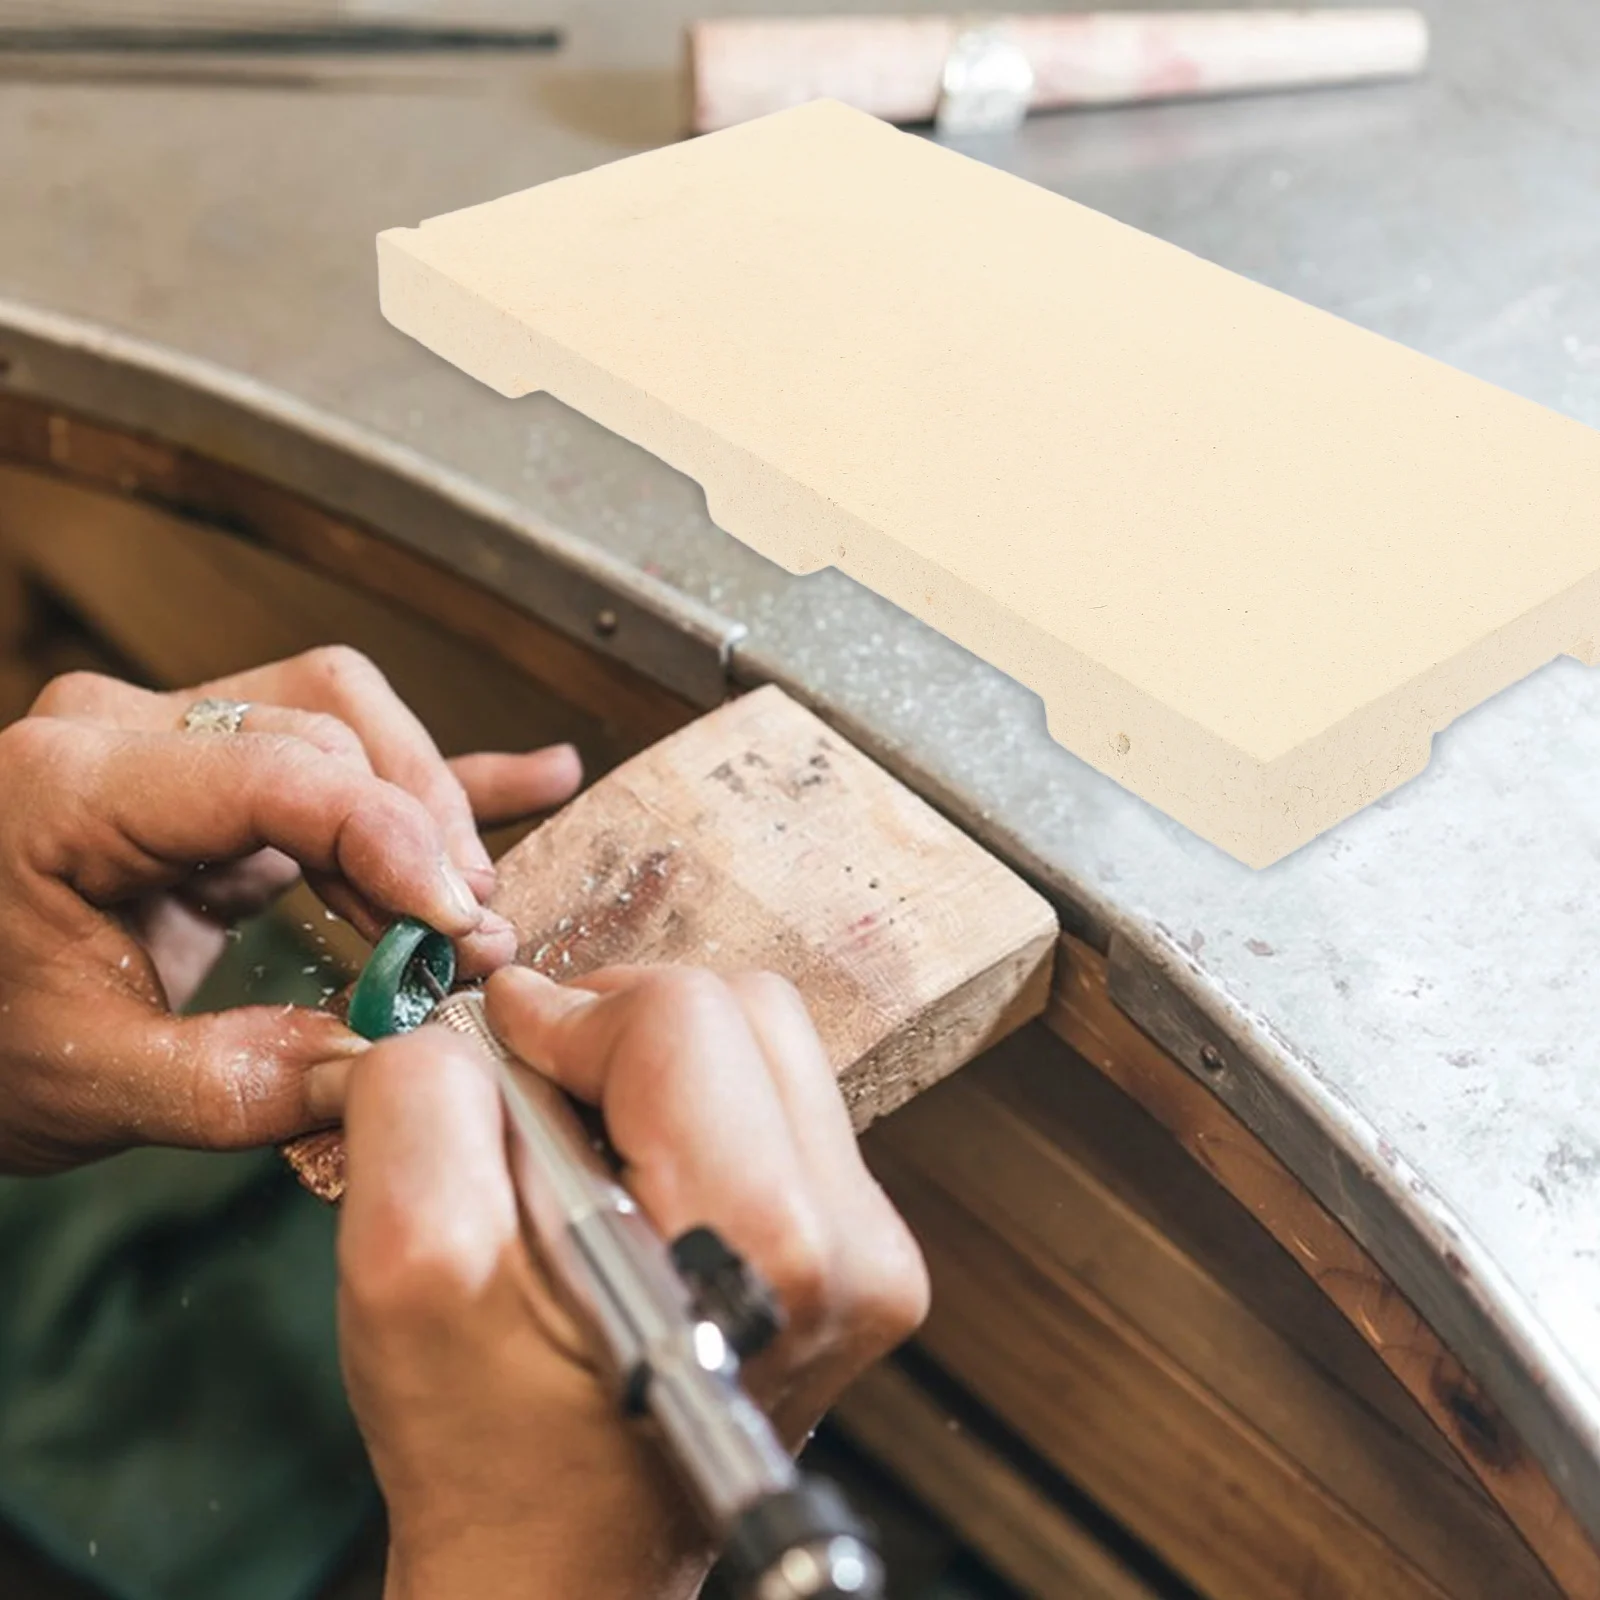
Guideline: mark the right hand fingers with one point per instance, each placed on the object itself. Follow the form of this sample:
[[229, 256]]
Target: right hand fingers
[[719, 1098], [879, 1274], [498, 1451], [425, 1151]]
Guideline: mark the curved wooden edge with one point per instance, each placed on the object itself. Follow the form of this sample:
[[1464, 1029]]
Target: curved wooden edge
[[1083, 1013], [197, 488]]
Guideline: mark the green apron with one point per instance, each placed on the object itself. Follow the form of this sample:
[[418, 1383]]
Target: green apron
[[172, 1421]]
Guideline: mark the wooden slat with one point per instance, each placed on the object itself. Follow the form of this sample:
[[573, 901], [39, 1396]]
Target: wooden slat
[[757, 838], [1016, 1179], [1112, 1411], [1088, 1119], [1017, 1528], [1083, 1013]]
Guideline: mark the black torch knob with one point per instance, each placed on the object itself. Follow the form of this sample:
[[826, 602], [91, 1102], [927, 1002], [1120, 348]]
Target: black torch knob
[[728, 1292]]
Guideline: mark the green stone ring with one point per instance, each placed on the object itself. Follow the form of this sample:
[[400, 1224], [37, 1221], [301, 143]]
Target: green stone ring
[[408, 973]]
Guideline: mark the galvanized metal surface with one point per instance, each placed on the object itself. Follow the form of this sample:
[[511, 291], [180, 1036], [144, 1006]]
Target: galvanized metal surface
[[1419, 987]]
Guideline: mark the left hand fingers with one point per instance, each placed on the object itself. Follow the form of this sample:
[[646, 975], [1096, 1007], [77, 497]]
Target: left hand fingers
[[229, 891], [336, 699], [342, 683], [503, 789], [234, 889]]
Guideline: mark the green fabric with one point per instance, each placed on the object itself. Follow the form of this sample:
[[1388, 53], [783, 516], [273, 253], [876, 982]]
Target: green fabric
[[172, 1422]]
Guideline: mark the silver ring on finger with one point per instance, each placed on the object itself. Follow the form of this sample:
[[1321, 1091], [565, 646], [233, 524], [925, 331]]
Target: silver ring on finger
[[212, 715]]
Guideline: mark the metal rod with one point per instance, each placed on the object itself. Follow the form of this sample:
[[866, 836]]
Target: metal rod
[[331, 38]]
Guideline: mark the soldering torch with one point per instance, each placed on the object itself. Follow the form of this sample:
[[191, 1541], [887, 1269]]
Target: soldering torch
[[669, 1324]]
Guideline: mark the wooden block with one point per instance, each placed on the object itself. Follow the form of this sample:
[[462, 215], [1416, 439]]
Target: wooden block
[[1251, 557], [756, 838], [892, 66]]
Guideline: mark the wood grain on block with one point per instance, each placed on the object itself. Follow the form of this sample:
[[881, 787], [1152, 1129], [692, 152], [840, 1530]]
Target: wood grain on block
[[746, 67], [1251, 557], [757, 839]]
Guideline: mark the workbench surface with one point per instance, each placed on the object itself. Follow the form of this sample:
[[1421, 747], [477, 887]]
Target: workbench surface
[[1416, 990]]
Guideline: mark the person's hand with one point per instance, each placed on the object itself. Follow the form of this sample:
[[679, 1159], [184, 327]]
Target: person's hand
[[128, 846], [505, 1465]]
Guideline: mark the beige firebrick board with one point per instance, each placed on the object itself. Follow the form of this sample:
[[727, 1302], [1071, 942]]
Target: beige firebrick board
[[1250, 557]]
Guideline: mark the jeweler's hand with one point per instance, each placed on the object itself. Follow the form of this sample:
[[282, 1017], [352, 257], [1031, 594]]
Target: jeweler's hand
[[505, 1464], [128, 846]]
